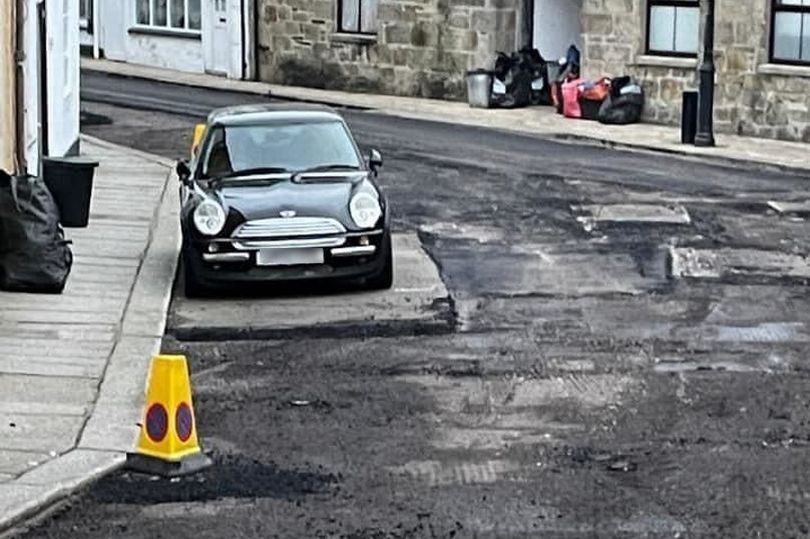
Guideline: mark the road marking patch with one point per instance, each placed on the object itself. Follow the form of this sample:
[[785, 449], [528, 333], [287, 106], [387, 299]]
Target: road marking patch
[[590, 216], [789, 206], [719, 263]]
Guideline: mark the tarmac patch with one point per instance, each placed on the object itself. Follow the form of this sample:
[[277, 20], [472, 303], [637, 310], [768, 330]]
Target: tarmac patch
[[727, 263], [418, 303], [790, 207], [591, 216]]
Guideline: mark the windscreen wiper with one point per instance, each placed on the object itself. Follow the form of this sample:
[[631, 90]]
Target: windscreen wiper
[[248, 172]]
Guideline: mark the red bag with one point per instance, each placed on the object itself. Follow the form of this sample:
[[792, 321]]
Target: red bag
[[599, 91], [570, 94]]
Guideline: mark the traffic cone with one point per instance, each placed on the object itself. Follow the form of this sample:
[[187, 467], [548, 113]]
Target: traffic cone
[[168, 444]]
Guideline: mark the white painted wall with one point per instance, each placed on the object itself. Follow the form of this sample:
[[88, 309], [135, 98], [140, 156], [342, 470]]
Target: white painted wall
[[235, 30], [180, 54], [63, 75], [31, 86], [121, 41], [113, 21], [240, 29], [557, 26]]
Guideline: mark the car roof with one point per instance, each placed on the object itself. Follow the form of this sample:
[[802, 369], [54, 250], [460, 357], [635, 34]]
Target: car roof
[[272, 113]]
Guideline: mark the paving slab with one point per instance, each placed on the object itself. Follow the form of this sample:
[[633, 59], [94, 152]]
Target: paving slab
[[45, 433], [417, 301], [46, 367], [71, 468], [71, 375], [14, 463], [20, 500], [47, 389]]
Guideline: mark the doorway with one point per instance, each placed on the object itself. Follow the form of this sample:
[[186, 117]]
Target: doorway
[[556, 26], [216, 37], [42, 85]]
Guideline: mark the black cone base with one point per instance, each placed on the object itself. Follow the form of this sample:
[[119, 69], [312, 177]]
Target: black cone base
[[155, 466]]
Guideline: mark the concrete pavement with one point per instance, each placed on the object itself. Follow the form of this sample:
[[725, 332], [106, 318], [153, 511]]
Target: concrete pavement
[[540, 121], [73, 366]]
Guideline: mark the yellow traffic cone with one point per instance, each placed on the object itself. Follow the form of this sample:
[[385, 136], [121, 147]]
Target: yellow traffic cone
[[168, 442]]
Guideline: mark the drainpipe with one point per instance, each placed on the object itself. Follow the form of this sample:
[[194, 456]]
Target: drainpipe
[[7, 88], [21, 166], [255, 35], [525, 23]]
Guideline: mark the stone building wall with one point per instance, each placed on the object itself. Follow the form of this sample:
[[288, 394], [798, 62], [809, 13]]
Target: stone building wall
[[422, 47], [752, 97]]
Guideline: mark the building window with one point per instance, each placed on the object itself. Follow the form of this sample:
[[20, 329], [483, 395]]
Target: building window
[[86, 15], [673, 27], [358, 16], [790, 31], [169, 14]]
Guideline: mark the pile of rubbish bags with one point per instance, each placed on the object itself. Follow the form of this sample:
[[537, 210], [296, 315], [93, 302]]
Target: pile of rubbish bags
[[34, 255], [610, 101], [525, 78]]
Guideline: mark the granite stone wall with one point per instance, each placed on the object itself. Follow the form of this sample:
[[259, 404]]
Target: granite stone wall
[[422, 47], [752, 97]]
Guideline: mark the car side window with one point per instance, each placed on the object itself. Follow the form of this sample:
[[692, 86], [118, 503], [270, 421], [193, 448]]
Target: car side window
[[216, 159]]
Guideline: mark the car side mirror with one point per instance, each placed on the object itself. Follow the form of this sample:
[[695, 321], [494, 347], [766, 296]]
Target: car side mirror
[[183, 171], [375, 160]]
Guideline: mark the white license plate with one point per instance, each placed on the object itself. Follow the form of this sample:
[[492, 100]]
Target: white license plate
[[289, 257]]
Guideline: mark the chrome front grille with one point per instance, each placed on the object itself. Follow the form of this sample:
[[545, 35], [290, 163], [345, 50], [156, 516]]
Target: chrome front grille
[[288, 227]]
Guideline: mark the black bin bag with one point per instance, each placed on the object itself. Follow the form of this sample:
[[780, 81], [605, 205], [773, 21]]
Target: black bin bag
[[34, 255], [624, 104]]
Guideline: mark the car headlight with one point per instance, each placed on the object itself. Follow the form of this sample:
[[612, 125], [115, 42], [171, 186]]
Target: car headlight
[[209, 217], [365, 210]]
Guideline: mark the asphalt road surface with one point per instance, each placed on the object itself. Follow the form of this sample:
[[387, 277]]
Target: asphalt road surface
[[625, 355]]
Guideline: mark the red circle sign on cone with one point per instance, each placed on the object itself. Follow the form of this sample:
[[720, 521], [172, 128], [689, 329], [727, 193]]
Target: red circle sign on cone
[[184, 420], [157, 422]]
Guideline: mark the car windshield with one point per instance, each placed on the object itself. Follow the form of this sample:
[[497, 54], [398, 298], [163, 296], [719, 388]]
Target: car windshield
[[256, 149]]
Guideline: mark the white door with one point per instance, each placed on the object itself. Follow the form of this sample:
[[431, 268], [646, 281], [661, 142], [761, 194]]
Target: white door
[[215, 36], [113, 24], [556, 27]]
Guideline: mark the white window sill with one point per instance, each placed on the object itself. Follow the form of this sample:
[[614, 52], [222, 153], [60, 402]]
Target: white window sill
[[784, 70], [347, 37], [166, 32], [674, 62]]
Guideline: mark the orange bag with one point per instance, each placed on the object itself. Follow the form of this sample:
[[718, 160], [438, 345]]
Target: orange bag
[[599, 91]]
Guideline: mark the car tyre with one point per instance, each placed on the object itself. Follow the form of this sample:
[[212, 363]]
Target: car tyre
[[192, 287], [385, 278]]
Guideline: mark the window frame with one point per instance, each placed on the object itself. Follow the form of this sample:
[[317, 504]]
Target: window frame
[[359, 30], [86, 22], [668, 3], [776, 7], [167, 28]]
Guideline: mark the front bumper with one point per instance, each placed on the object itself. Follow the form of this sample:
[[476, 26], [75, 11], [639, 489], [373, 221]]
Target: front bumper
[[223, 261]]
